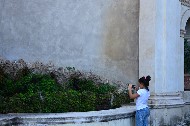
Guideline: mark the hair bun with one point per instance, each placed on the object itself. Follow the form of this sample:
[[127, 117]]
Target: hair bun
[[148, 78]]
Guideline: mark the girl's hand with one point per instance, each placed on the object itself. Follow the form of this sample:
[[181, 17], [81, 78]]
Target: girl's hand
[[132, 96], [129, 86], [137, 88]]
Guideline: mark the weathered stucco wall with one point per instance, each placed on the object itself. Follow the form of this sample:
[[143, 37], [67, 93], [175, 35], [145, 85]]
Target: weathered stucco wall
[[97, 35]]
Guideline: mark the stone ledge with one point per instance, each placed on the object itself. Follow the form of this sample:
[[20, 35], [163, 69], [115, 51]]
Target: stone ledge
[[161, 106], [187, 103], [68, 118]]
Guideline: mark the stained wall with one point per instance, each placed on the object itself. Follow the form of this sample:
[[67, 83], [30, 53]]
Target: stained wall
[[92, 35]]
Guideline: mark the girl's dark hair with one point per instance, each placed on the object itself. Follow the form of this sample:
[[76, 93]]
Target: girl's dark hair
[[145, 81]]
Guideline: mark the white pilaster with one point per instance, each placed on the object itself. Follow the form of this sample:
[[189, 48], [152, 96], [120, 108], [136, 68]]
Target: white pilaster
[[160, 50]]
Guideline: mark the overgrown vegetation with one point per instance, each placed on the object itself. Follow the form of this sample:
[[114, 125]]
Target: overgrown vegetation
[[186, 57], [29, 92]]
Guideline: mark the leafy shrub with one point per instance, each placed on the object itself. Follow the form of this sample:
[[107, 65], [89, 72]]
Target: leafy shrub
[[34, 93], [120, 99]]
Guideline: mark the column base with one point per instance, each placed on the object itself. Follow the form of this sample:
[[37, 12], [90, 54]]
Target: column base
[[166, 100], [186, 97], [168, 109]]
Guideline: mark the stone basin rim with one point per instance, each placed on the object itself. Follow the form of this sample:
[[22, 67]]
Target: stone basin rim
[[70, 117]]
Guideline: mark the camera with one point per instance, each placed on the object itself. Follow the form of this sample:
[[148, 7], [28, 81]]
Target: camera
[[133, 86]]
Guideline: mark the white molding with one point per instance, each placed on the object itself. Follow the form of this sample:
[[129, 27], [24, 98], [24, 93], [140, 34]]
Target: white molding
[[166, 100], [185, 2], [182, 33]]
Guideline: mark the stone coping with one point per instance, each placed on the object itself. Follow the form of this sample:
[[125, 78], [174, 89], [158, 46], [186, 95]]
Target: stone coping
[[68, 118]]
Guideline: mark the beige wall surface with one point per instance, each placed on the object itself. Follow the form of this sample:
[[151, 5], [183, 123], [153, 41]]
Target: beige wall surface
[[92, 35]]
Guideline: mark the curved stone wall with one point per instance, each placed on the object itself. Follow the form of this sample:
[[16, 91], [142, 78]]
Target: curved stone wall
[[123, 116]]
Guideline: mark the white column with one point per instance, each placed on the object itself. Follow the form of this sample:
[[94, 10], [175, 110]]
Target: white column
[[160, 51]]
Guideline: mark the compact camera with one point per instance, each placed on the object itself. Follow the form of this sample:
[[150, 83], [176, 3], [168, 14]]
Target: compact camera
[[133, 86]]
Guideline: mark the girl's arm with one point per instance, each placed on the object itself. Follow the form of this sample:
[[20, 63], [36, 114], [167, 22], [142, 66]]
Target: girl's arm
[[132, 96]]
